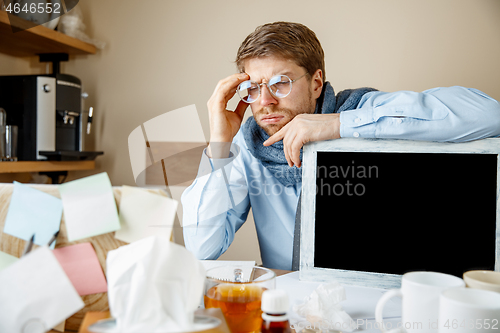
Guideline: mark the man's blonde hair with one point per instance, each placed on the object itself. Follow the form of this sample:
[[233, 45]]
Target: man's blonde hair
[[291, 41]]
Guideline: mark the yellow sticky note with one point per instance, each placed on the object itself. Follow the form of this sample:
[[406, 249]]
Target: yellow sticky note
[[144, 214]]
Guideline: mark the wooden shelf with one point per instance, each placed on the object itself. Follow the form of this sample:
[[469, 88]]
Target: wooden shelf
[[36, 40], [45, 166]]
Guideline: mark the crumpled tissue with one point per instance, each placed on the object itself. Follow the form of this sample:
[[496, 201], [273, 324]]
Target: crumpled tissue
[[154, 285], [322, 309], [71, 24]]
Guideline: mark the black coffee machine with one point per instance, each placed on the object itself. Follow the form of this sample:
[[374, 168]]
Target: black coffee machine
[[48, 112]]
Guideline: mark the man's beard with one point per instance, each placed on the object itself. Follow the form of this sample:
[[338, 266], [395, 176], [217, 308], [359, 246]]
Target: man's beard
[[271, 129]]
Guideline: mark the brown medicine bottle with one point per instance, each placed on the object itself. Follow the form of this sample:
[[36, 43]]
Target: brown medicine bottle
[[274, 312]]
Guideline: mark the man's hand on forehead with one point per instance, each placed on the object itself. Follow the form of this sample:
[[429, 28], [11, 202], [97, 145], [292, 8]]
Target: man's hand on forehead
[[302, 129]]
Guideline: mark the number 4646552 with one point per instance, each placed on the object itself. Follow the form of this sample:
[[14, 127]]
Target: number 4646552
[[488, 324], [34, 8]]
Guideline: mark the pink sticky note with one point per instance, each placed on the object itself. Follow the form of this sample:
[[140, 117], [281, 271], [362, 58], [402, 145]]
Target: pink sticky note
[[80, 263]]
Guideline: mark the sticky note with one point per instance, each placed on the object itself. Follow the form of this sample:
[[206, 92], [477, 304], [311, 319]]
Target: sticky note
[[33, 212], [82, 267], [36, 293], [144, 214], [6, 260], [89, 207]]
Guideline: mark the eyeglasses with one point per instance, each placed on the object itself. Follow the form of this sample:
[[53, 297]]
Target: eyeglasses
[[279, 85]]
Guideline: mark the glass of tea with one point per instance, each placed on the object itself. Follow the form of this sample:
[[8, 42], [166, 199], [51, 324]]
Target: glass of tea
[[237, 291]]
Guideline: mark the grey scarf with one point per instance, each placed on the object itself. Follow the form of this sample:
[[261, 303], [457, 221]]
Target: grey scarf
[[273, 157]]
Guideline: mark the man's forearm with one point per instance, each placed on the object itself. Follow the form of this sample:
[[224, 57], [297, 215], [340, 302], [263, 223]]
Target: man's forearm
[[454, 114], [207, 226], [218, 149]]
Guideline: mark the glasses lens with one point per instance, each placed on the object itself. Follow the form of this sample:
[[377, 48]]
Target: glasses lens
[[280, 85], [248, 91]]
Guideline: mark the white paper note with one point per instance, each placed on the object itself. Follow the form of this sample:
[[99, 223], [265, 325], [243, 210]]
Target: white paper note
[[144, 214], [35, 293], [89, 207]]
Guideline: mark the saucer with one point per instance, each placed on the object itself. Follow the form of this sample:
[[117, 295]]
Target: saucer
[[201, 323]]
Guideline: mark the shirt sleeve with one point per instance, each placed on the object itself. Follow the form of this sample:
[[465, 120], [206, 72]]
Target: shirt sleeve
[[454, 114], [215, 205]]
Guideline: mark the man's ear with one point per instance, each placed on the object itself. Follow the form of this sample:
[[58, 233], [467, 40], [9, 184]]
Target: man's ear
[[317, 83]]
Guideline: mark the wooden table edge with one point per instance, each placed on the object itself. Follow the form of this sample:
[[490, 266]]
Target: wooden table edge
[[45, 166]]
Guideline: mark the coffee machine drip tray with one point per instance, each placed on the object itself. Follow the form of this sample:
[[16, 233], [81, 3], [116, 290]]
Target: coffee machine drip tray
[[70, 155]]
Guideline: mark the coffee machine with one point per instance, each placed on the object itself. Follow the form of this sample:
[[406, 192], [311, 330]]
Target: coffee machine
[[48, 112]]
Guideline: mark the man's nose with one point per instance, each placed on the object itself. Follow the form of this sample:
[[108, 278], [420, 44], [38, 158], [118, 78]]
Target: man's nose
[[266, 98]]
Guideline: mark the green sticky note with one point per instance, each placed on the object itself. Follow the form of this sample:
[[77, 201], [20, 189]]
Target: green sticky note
[[89, 207], [6, 259]]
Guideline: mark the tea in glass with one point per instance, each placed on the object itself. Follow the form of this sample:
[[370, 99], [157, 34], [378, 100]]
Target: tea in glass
[[240, 300]]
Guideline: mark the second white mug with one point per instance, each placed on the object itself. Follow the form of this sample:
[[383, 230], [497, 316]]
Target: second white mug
[[420, 292], [466, 310]]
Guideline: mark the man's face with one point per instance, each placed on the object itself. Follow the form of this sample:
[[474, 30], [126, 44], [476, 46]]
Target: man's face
[[272, 113]]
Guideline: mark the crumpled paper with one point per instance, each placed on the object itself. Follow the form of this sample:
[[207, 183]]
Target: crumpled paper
[[154, 285], [322, 309], [71, 24]]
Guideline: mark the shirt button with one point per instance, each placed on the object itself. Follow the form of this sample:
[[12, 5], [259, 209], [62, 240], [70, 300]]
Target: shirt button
[[357, 120], [399, 120], [355, 134]]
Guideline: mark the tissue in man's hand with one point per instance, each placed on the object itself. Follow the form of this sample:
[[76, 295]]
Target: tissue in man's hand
[[322, 308], [154, 285]]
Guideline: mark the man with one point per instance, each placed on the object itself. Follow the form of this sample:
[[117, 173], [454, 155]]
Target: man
[[258, 164]]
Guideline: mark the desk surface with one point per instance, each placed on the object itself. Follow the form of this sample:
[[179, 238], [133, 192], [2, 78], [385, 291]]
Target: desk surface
[[104, 314], [93, 317], [45, 166]]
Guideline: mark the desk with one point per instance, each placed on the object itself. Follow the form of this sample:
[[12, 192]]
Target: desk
[[45, 166], [52, 168], [200, 311], [217, 313]]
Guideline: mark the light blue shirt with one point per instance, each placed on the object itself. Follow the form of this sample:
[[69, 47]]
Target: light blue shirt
[[217, 203]]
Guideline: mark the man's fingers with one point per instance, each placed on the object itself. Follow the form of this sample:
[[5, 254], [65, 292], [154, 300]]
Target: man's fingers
[[226, 88], [276, 136], [287, 157], [232, 81], [241, 108], [292, 143], [287, 143], [295, 151], [273, 139]]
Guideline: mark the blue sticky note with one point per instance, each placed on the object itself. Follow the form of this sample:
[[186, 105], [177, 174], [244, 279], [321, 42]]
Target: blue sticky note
[[33, 212]]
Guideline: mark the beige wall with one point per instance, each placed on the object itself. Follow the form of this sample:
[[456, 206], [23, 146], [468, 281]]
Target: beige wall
[[165, 54]]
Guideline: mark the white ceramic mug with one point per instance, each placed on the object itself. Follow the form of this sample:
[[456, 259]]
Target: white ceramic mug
[[420, 292], [466, 310]]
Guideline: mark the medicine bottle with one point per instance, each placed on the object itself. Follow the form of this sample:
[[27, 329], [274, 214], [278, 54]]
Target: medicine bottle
[[274, 312]]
